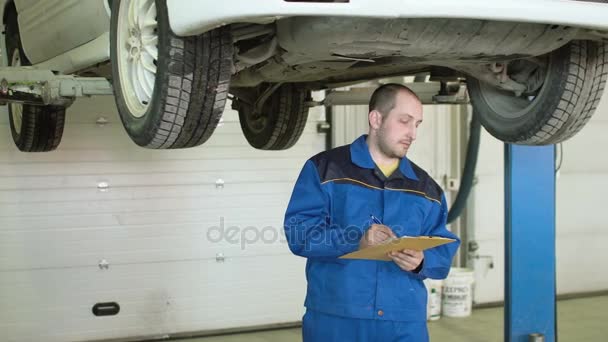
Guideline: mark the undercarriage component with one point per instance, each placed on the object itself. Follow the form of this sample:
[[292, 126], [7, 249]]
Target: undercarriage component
[[28, 85], [334, 50], [428, 92]]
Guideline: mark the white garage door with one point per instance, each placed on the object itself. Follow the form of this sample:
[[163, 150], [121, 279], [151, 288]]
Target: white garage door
[[152, 217]]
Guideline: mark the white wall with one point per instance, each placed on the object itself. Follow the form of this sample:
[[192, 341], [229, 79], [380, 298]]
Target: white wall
[[151, 225], [582, 232]]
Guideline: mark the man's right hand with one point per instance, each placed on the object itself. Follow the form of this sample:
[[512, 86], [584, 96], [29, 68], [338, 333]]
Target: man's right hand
[[375, 235]]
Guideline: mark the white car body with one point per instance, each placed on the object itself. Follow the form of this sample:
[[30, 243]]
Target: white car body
[[189, 17], [77, 38]]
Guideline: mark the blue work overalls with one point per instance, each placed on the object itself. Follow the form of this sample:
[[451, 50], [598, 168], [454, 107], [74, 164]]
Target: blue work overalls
[[363, 300]]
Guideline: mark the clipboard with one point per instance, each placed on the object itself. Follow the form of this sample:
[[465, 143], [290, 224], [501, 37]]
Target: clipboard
[[379, 252]]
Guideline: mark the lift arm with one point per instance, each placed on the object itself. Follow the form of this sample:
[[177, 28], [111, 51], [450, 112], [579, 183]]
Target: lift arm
[[28, 85]]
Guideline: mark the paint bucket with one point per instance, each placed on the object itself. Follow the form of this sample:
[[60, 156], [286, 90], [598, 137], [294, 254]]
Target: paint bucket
[[433, 306], [458, 293]]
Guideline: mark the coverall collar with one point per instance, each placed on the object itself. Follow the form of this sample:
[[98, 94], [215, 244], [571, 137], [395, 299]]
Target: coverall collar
[[360, 156]]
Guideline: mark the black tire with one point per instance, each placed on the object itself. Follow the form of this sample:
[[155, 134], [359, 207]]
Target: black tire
[[190, 89], [574, 84], [41, 127], [281, 122]]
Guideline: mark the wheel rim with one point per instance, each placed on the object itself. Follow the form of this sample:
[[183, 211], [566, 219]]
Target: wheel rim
[[137, 53], [257, 124], [15, 108], [508, 105]]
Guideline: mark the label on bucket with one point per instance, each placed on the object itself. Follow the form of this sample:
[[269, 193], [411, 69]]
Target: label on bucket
[[457, 300]]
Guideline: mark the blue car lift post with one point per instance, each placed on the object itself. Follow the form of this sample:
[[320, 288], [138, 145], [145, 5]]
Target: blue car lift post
[[530, 313]]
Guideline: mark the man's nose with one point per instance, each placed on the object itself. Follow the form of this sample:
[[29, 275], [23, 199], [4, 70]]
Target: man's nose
[[413, 133]]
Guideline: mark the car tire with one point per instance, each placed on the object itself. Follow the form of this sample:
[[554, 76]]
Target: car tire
[[281, 121], [573, 85], [170, 91], [33, 128]]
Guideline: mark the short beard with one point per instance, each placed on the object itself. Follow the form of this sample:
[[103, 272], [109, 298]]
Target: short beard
[[385, 148]]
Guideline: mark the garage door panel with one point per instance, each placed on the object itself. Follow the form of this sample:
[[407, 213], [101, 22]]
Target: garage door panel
[[88, 110], [134, 153], [220, 233], [18, 234], [139, 193], [118, 219], [225, 130], [132, 277], [151, 179], [146, 205], [203, 218], [124, 246], [177, 166], [171, 297], [127, 284], [81, 121], [70, 255], [90, 137]]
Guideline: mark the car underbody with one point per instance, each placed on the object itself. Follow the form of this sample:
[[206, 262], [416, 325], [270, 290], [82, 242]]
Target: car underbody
[[329, 52]]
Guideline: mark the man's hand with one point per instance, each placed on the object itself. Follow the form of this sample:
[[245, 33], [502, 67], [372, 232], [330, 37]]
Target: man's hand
[[375, 235], [407, 259]]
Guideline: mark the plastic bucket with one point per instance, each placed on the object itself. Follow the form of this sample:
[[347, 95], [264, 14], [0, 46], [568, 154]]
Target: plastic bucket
[[458, 293], [433, 306]]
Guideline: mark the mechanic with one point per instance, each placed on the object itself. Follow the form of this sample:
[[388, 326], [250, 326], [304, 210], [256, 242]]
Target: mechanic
[[336, 207]]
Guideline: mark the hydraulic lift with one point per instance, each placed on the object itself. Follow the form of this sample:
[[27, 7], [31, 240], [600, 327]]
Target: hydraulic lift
[[530, 313], [29, 85]]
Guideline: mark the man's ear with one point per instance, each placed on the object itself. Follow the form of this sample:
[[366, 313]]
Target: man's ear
[[375, 119]]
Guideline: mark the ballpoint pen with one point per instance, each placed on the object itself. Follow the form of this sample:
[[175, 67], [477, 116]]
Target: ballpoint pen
[[375, 219]]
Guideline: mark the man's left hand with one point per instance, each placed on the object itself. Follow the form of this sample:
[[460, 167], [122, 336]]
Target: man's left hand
[[407, 259]]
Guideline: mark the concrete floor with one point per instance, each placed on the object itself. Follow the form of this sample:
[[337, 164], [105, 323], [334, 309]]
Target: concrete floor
[[584, 319]]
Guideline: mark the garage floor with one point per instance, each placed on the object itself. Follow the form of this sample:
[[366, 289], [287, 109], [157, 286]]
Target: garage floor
[[582, 319]]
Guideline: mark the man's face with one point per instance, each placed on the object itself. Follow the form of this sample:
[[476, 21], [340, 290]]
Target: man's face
[[399, 127]]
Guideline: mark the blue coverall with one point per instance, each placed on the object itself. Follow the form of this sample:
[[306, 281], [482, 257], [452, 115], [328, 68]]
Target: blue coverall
[[328, 214]]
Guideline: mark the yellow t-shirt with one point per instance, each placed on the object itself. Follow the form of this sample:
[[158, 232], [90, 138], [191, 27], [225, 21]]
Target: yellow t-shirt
[[388, 170]]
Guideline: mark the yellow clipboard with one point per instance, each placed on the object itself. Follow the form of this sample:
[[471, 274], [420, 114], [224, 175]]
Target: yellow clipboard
[[379, 252]]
